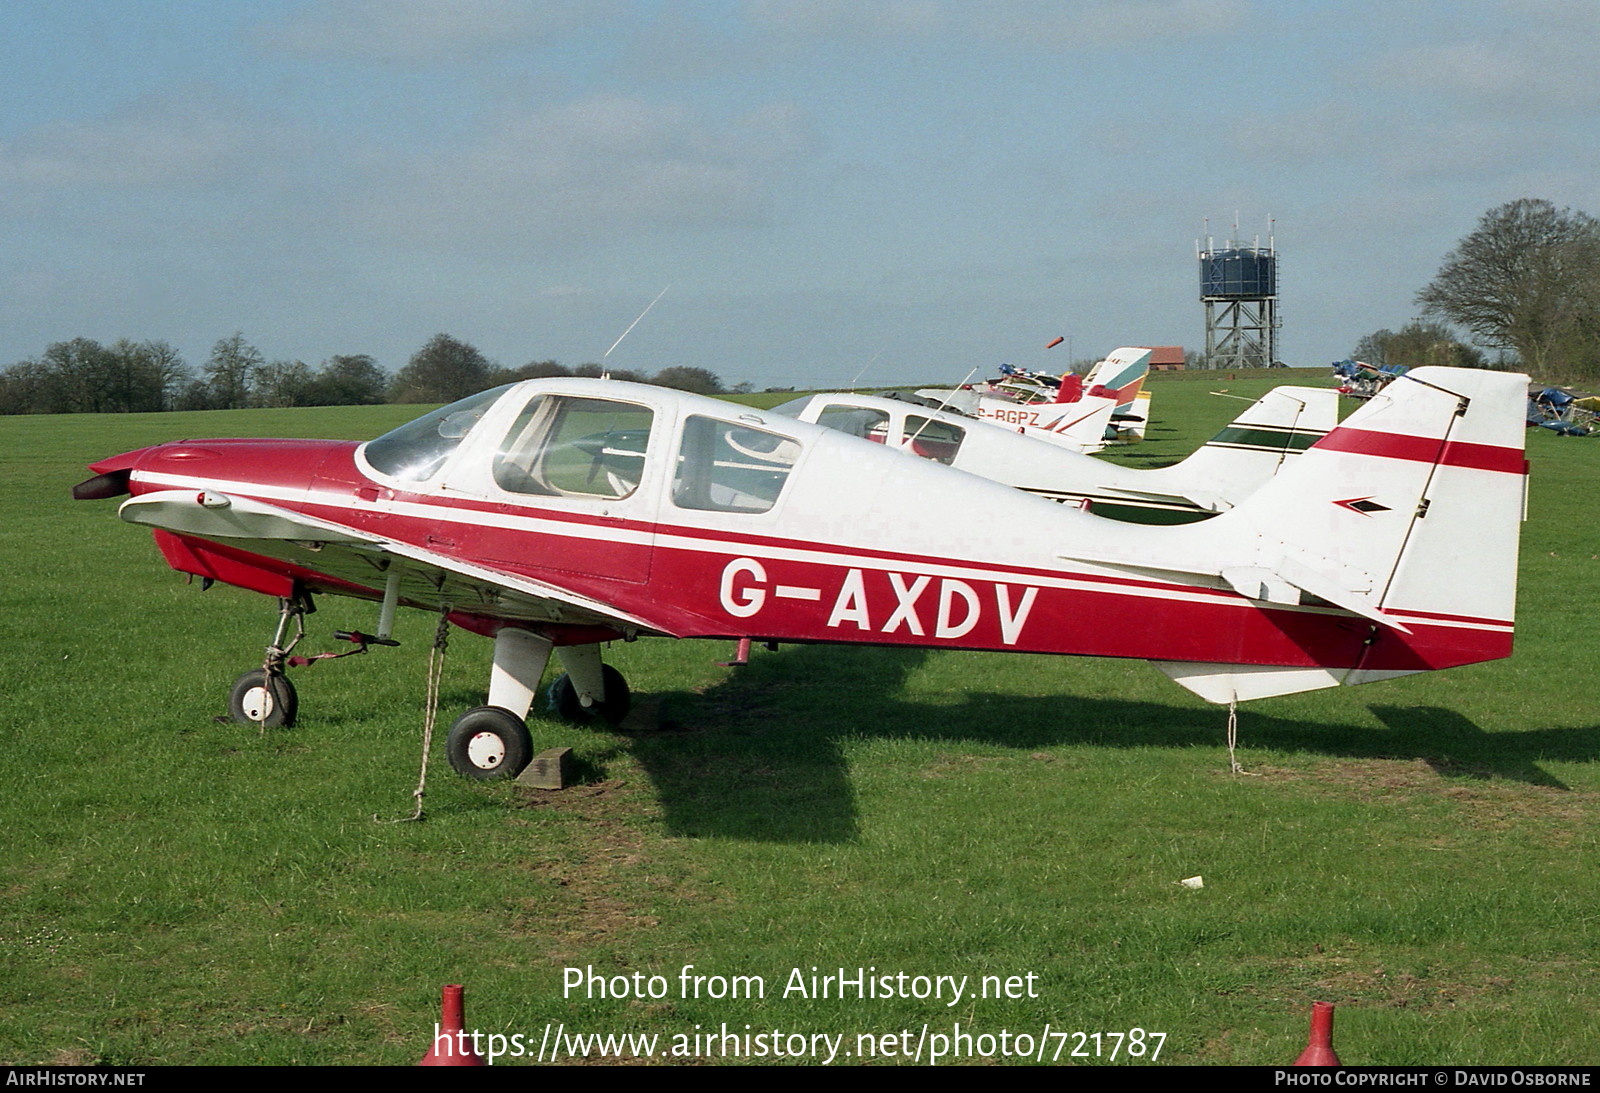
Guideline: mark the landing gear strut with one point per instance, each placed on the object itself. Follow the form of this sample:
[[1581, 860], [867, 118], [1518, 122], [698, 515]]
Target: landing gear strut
[[589, 690], [609, 702], [264, 696], [492, 741]]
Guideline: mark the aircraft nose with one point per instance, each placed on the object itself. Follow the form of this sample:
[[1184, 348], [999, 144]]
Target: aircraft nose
[[111, 479]]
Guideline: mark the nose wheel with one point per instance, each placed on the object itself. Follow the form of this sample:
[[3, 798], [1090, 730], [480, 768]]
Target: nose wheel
[[263, 698]]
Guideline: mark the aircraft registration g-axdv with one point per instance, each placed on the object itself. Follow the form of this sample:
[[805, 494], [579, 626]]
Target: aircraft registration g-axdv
[[562, 514]]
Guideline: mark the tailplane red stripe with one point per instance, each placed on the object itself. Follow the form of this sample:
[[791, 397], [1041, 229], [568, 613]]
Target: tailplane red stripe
[[1422, 449]]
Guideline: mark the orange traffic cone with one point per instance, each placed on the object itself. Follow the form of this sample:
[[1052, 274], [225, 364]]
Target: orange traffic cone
[[1319, 1048], [451, 1045]]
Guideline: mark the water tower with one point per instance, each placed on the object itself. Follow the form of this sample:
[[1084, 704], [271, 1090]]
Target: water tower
[[1239, 286]]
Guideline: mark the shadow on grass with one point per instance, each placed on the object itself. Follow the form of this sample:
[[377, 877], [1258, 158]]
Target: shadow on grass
[[761, 755]]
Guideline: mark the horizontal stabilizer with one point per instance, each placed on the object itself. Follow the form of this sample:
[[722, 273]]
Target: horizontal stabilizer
[[1282, 579], [1222, 683]]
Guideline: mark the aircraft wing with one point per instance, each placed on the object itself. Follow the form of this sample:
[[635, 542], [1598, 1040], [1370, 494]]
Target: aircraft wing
[[429, 578]]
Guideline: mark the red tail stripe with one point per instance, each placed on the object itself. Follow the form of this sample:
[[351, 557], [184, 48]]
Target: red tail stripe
[[1472, 620], [1422, 449]]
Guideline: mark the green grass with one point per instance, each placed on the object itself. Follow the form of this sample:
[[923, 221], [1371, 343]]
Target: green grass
[[173, 890]]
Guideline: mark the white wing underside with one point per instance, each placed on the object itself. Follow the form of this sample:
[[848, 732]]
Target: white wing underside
[[428, 579]]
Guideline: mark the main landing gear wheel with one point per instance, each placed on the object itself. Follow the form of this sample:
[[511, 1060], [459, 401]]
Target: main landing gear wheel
[[489, 742], [617, 703], [263, 698]]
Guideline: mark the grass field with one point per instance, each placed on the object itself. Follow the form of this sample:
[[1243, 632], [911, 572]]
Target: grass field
[[173, 890]]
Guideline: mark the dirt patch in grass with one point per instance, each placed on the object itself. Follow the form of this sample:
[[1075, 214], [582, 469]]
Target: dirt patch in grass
[[1376, 985], [958, 763], [612, 871]]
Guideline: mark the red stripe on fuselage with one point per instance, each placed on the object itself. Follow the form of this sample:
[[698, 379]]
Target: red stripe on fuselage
[[736, 542]]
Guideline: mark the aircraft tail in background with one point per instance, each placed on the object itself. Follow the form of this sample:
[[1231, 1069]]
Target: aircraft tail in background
[[1120, 376], [1254, 446]]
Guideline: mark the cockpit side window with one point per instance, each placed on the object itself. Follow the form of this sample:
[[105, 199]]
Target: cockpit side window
[[561, 446], [418, 449], [935, 440], [724, 467], [857, 421]]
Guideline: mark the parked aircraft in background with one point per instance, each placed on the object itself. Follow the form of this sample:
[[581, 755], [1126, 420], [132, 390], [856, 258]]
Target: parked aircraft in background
[[557, 515], [1231, 466], [1073, 412]]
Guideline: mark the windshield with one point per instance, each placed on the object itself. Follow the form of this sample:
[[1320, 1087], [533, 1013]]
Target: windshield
[[416, 450], [794, 407]]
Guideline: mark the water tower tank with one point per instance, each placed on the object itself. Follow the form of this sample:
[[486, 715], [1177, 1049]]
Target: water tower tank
[[1238, 273]]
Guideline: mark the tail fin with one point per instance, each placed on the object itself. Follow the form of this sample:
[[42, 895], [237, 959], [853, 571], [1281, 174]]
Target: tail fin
[[1080, 426], [1131, 422], [1407, 515], [1120, 376], [1254, 446]]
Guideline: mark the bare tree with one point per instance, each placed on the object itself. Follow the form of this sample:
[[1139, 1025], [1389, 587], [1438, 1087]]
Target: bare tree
[[83, 376], [27, 387], [147, 375], [165, 367], [282, 383], [231, 371], [1528, 280], [1418, 343]]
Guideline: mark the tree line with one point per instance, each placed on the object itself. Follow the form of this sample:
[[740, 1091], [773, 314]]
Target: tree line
[[85, 376], [1525, 283], [446, 369]]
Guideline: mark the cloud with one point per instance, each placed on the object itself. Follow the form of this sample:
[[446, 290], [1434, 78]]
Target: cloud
[[1046, 23], [850, 19], [426, 31], [1104, 22], [596, 168], [1541, 59], [1329, 132], [185, 140]]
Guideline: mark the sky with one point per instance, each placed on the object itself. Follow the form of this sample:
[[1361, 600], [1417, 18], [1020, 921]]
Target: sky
[[830, 192]]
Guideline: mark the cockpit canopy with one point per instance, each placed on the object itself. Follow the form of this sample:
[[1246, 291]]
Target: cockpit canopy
[[585, 444]]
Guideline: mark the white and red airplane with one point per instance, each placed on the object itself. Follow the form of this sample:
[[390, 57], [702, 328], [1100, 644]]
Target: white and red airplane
[[1072, 412], [1228, 468], [562, 514]]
